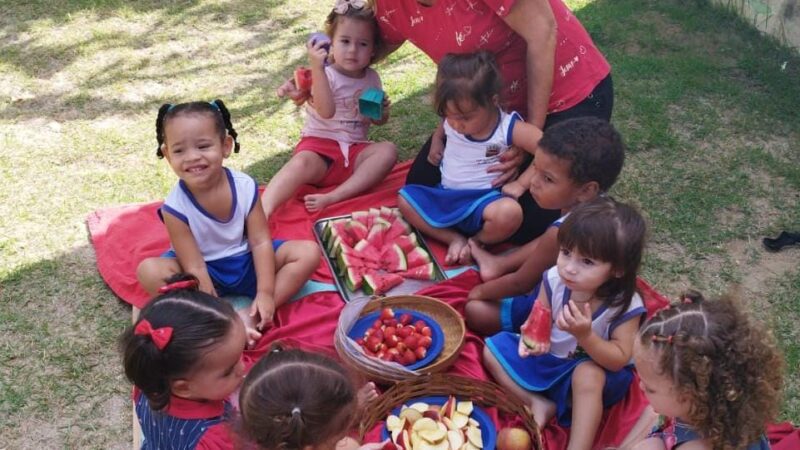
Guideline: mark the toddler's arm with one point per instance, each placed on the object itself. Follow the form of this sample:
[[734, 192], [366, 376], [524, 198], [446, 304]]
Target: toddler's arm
[[526, 136], [321, 95], [437, 145], [264, 261], [187, 252], [387, 106], [542, 255], [612, 354]]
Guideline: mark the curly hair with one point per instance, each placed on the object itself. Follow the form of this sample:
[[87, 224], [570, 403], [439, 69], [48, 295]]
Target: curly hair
[[726, 363]]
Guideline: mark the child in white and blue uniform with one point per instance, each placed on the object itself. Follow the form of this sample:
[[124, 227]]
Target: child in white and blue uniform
[[215, 222], [469, 141], [585, 366]]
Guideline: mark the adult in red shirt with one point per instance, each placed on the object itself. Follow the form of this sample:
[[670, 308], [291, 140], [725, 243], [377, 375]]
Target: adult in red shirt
[[551, 69]]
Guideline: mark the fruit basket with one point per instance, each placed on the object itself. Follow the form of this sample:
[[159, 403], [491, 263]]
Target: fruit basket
[[483, 394], [451, 336], [376, 252]]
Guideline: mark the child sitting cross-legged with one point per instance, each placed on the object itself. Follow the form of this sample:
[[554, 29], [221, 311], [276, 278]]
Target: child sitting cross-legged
[[184, 357], [215, 222], [713, 374], [576, 161], [470, 139], [574, 356]]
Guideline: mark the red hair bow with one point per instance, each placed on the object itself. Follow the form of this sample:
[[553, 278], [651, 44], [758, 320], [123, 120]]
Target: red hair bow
[[185, 284], [160, 336]]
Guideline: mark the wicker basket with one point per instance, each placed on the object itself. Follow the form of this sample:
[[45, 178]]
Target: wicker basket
[[483, 393], [448, 319]]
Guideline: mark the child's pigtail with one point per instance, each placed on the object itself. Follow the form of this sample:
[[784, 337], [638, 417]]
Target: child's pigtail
[[226, 118], [143, 361], [162, 112]]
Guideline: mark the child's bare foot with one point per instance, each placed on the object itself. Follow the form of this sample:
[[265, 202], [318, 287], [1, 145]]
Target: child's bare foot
[[366, 394], [465, 257], [487, 262], [454, 251], [316, 202]]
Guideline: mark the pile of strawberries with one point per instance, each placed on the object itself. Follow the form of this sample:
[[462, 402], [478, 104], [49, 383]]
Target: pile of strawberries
[[396, 339]]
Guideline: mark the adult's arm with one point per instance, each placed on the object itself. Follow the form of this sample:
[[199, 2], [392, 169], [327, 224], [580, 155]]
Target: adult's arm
[[533, 20]]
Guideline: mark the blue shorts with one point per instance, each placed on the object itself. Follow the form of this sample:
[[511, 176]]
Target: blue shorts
[[461, 209], [233, 275], [515, 310]]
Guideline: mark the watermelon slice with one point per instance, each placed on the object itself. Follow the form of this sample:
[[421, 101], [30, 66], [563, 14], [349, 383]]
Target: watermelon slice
[[407, 243], [340, 229], [536, 329], [387, 213], [398, 228], [377, 284], [375, 236], [393, 258], [417, 257], [424, 272], [353, 278], [363, 217], [357, 230], [349, 259], [367, 251]]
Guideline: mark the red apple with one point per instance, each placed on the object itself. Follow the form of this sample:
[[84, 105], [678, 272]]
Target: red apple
[[372, 343], [420, 352], [425, 341], [405, 331], [391, 341], [409, 357], [419, 325], [412, 342], [377, 324], [390, 322], [426, 331], [389, 331], [513, 439], [387, 313], [405, 318]]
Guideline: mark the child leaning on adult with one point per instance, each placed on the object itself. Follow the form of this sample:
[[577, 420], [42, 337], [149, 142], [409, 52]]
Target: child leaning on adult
[[550, 67]]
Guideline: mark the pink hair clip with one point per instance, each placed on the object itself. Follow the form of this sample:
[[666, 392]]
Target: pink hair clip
[[185, 284], [160, 336]]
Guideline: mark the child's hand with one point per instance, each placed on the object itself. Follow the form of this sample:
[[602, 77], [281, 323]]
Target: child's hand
[[576, 319], [436, 153], [317, 54], [263, 307], [537, 348], [387, 108], [252, 337], [514, 189], [289, 89], [508, 167]]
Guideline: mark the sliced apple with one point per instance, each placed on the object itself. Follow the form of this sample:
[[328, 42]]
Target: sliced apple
[[432, 414], [449, 424], [464, 407], [473, 422], [419, 406], [424, 445], [449, 407], [433, 436], [393, 422], [424, 424], [410, 415], [455, 438], [459, 420], [404, 440], [468, 446], [474, 436], [416, 441]]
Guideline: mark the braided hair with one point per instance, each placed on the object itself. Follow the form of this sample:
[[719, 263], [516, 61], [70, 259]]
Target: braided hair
[[198, 322], [217, 109], [292, 399], [725, 363]]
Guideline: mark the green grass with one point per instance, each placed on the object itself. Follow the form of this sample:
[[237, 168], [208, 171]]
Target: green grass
[[706, 108]]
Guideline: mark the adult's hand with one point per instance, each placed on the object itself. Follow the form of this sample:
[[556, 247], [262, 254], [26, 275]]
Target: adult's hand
[[508, 167]]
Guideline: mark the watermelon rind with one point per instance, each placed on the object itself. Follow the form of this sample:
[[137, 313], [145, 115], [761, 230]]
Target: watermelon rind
[[417, 257], [424, 272], [394, 259], [353, 279]]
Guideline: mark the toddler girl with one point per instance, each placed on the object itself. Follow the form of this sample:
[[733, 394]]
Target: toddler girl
[[334, 149], [712, 373], [184, 358], [470, 139], [293, 399], [215, 222], [589, 304]]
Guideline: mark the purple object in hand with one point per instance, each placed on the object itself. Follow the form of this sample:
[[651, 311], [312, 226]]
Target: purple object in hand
[[320, 37]]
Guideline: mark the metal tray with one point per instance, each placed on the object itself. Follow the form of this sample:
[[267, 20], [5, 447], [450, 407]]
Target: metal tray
[[408, 286]]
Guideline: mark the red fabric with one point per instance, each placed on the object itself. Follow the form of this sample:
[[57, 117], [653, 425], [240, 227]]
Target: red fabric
[[470, 25], [330, 150], [783, 436], [125, 235]]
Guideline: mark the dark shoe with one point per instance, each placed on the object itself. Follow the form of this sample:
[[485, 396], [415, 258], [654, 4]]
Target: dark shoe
[[785, 239]]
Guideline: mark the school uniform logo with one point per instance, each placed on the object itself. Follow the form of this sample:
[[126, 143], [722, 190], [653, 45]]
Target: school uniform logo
[[492, 150]]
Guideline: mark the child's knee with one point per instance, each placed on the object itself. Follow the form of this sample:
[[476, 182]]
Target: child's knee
[[506, 212], [588, 377], [480, 317]]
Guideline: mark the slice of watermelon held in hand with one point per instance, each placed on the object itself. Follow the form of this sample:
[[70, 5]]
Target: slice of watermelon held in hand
[[302, 78], [537, 327]]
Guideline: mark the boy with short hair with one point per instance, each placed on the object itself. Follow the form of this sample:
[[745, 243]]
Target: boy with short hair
[[576, 161]]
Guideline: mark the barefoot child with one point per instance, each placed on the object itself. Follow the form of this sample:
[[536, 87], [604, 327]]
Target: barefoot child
[[470, 139], [215, 223], [576, 161], [334, 149], [293, 399], [184, 358], [590, 306], [713, 374]]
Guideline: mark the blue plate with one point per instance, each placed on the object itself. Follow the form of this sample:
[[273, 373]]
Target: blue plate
[[488, 432], [437, 336]]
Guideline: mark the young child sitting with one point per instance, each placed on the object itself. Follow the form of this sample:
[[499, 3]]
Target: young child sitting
[[184, 358], [589, 303], [470, 139], [293, 399], [334, 150], [576, 161], [215, 223], [713, 374]]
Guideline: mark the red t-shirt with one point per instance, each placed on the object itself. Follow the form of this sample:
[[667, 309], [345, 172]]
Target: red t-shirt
[[463, 26]]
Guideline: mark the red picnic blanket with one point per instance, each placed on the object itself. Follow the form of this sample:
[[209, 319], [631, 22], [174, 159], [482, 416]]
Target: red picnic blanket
[[123, 236]]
